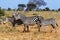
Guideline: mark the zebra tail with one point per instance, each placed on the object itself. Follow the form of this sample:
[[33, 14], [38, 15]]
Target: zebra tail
[[56, 24]]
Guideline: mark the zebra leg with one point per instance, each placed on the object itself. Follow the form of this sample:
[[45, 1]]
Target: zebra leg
[[39, 28], [13, 24], [24, 28], [53, 26], [27, 28], [38, 23], [56, 24]]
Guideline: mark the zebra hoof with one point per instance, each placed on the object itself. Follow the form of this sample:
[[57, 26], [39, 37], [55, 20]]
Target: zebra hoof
[[26, 31], [38, 30], [51, 31]]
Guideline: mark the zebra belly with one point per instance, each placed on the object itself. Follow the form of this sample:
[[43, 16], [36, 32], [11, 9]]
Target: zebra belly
[[45, 23]]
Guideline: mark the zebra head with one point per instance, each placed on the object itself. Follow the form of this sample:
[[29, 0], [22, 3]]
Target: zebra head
[[19, 16]]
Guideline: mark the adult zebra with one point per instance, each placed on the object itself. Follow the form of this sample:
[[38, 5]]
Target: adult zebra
[[13, 21], [28, 20]]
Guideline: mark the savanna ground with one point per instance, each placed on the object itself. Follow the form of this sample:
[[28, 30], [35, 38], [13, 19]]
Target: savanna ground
[[8, 33]]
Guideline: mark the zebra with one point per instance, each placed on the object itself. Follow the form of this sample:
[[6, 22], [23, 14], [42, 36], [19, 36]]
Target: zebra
[[13, 21], [28, 20], [49, 21]]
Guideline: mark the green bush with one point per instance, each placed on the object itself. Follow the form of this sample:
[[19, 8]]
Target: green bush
[[9, 9], [1, 12]]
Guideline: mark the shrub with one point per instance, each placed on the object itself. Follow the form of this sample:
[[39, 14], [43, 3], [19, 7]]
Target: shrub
[[1, 12]]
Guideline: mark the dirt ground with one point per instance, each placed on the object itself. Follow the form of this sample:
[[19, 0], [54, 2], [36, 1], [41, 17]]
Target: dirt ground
[[18, 34]]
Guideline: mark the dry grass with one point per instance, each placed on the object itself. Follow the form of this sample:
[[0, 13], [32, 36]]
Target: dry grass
[[8, 33]]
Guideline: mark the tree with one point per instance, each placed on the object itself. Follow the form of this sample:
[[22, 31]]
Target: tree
[[14, 9], [59, 9], [19, 9], [52, 10], [47, 9], [9, 9], [0, 8], [43, 9], [1, 12], [31, 6], [21, 6], [38, 3]]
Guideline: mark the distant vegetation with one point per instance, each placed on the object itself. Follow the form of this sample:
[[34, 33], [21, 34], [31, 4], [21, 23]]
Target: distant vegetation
[[31, 8], [33, 5], [1, 12]]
